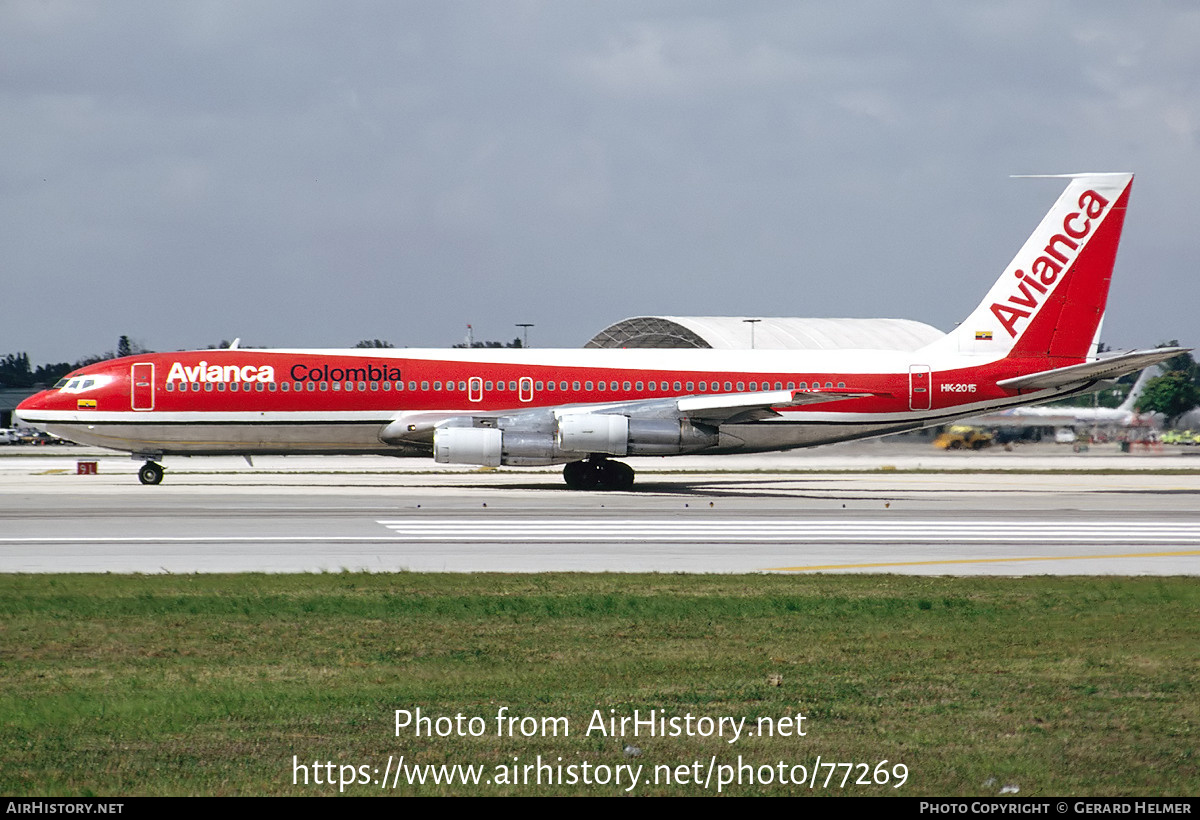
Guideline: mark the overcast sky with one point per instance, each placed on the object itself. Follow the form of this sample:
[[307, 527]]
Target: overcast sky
[[309, 174]]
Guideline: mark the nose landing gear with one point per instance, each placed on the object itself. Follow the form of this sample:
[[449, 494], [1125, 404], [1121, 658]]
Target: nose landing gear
[[150, 473], [598, 473]]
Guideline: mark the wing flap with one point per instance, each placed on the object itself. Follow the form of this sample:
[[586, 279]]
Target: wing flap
[[726, 405]]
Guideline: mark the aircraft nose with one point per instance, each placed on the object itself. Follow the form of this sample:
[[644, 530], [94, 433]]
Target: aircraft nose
[[29, 403], [26, 413]]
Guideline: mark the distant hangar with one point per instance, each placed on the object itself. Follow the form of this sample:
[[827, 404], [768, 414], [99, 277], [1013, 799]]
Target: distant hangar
[[768, 333]]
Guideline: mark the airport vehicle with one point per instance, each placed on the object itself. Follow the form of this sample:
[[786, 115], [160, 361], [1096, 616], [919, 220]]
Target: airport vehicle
[[963, 437], [1065, 435], [26, 435], [1031, 339], [1186, 437]]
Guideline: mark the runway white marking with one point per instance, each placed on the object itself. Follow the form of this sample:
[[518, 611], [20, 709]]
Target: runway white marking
[[742, 531], [717, 531]]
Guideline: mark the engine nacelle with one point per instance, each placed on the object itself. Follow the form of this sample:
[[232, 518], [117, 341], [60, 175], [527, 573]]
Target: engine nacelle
[[667, 437], [524, 448], [578, 435], [468, 445], [594, 433], [617, 435], [492, 447]]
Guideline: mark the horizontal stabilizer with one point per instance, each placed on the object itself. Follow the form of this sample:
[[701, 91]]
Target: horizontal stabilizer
[[1091, 371]]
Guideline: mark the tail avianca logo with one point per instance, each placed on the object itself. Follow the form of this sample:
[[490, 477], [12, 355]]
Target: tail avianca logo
[[1056, 257], [205, 372]]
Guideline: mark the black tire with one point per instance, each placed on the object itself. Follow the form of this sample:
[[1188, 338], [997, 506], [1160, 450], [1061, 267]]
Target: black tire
[[150, 473], [579, 475], [618, 476], [598, 474]]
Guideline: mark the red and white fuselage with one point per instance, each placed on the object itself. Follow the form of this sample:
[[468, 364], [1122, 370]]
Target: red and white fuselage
[[338, 401]]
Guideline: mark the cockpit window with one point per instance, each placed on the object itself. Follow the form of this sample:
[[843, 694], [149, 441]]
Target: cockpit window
[[60, 383], [83, 384]]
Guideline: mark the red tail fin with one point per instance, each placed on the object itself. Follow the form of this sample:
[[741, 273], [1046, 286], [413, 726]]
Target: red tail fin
[[1066, 324], [1051, 298]]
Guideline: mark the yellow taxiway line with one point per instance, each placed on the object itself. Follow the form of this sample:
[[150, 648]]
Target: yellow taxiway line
[[876, 565]]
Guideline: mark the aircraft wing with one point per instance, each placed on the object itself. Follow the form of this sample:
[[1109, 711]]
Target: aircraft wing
[[416, 427], [724, 406], [1091, 371]]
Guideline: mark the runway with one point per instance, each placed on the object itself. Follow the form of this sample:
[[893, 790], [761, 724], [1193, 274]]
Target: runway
[[324, 515]]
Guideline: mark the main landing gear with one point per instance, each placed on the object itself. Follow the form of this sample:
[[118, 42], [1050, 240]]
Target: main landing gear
[[598, 473], [150, 473]]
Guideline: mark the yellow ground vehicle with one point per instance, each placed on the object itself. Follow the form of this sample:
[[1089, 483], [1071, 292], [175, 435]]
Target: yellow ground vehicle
[[963, 437]]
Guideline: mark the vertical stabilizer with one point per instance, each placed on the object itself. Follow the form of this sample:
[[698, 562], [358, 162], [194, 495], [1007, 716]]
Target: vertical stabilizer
[[1138, 388], [1050, 300]]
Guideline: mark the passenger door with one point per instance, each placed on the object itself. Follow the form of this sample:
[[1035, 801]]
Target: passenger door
[[920, 387], [141, 386]]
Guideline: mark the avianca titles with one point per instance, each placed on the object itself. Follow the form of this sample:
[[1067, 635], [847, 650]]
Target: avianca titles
[[1031, 339]]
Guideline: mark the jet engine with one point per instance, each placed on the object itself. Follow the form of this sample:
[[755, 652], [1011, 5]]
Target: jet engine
[[575, 436]]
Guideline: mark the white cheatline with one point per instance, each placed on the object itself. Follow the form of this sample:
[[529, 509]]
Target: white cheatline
[[737, 531]]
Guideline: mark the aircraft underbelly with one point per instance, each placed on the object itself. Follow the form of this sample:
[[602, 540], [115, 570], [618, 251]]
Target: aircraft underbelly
[[236, 438], [764, 437]]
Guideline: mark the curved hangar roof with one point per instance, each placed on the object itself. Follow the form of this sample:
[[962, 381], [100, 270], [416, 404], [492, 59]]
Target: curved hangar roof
[[733, 332]]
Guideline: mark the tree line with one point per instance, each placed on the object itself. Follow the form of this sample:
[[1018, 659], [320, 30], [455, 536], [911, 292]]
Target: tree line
[[16, 369], [1176, 391]]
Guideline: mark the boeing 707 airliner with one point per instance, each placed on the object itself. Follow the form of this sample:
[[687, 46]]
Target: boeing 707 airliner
[[1033, 338]]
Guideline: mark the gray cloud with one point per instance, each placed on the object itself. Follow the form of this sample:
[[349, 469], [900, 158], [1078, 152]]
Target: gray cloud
[[309, 174]]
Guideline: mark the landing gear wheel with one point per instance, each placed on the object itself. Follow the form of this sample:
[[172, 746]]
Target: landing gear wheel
[[616, 475], [598, 474], [580, 475], [150, 473]]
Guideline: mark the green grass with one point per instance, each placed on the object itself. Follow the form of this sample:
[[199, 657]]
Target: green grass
[[203, 684]]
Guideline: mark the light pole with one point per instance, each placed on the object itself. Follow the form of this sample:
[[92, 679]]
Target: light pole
[[525, 326], [752, 323]]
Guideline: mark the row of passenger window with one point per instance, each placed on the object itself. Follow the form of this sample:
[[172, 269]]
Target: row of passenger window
[[489, 386]]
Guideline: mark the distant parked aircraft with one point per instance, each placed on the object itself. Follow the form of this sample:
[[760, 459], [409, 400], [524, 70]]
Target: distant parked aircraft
[[1121, 416]]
